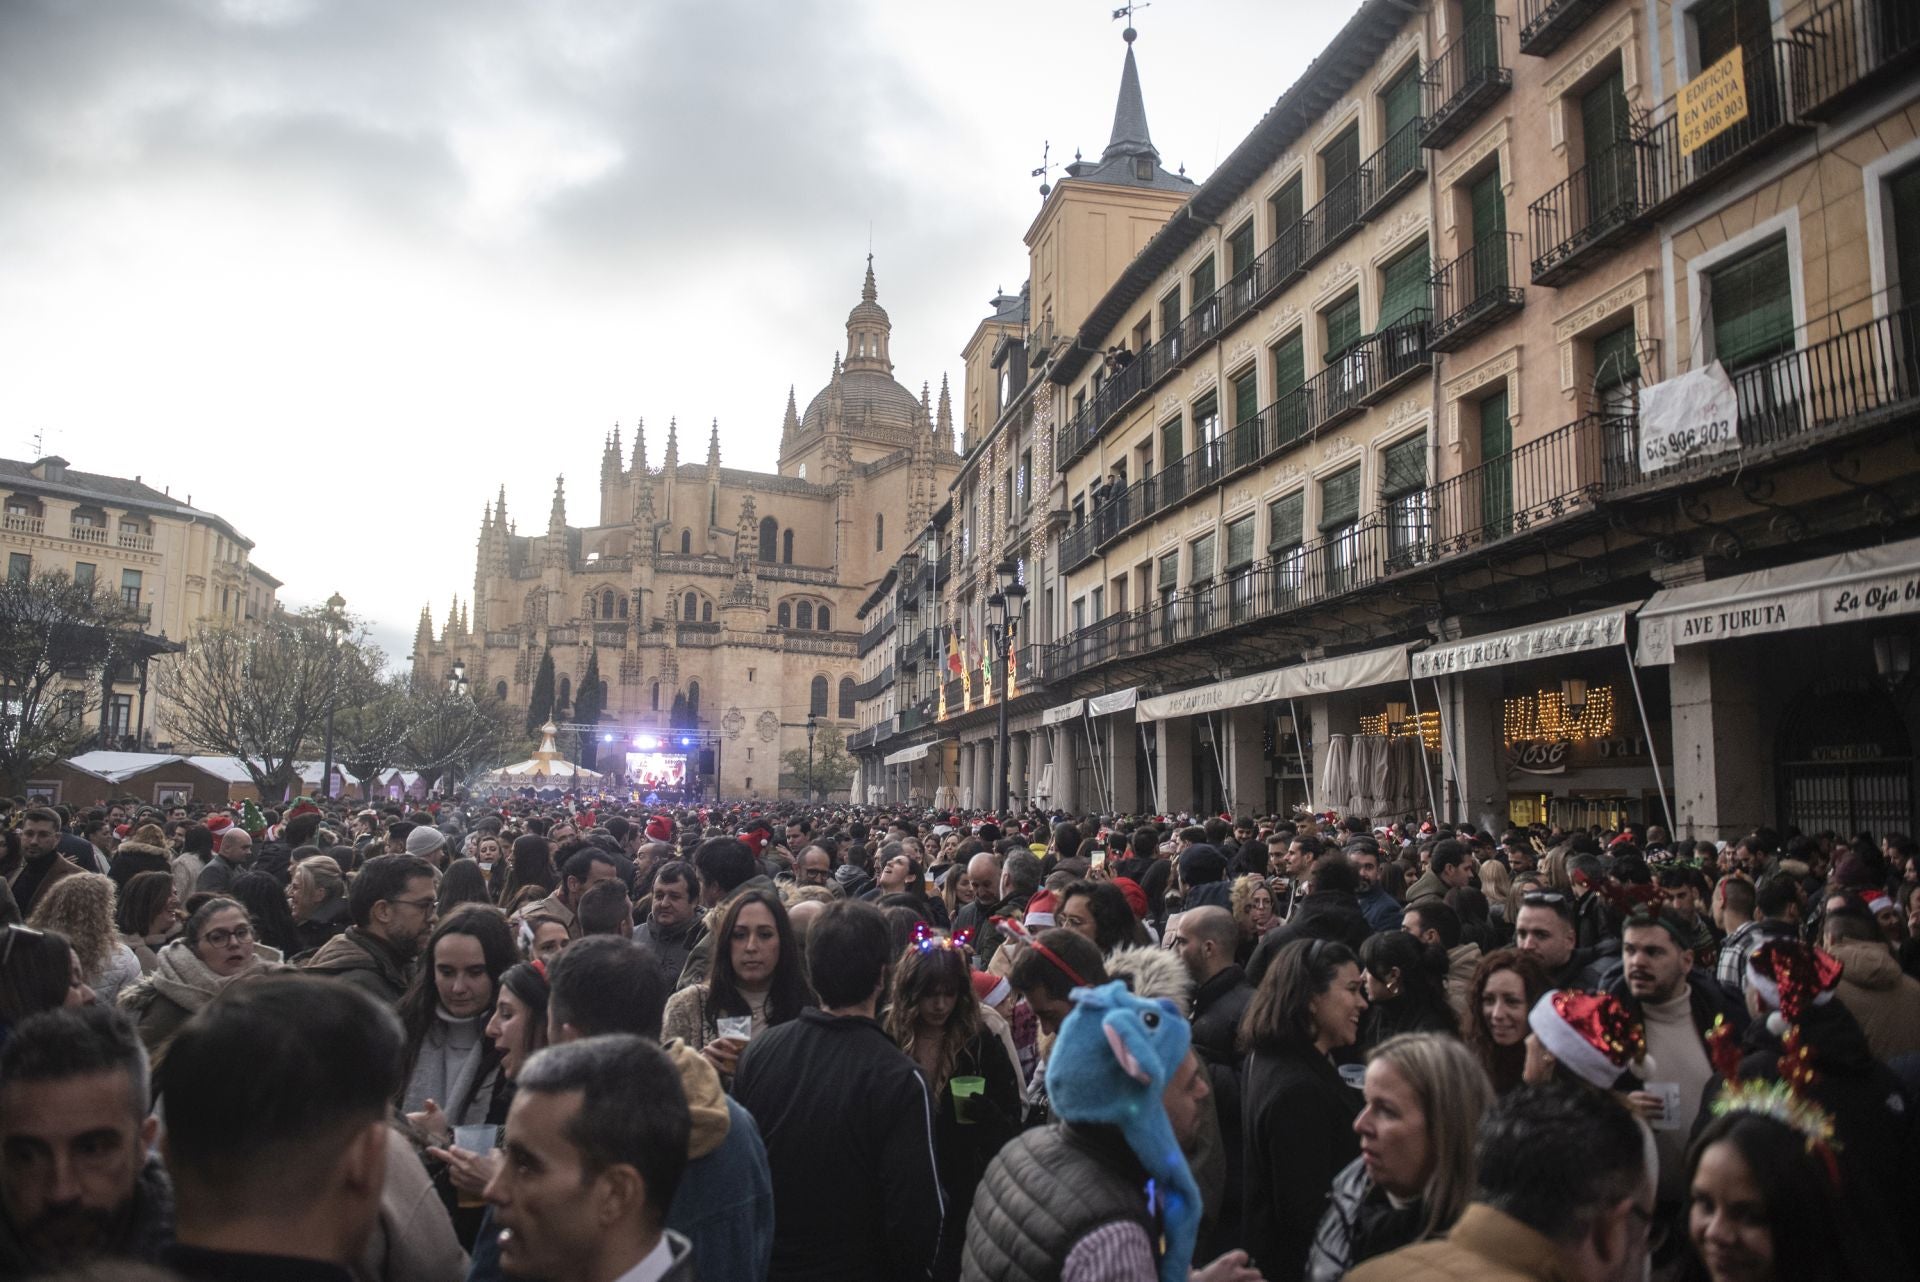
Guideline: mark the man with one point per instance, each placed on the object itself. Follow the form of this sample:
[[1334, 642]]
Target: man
[[1447, 868], [236, 847], [1751, 917], [1686, 895], [277, 1098], [429, 843], [668, 929], [1205, 939], [606, 909], [596, 1143], [983, 875], [1537, 1215], [724, 1206], [1381, 910], [1431, 921], [588, 866], [846, 1118], [77, 1183], [1872, 987], [1203, 875], [799, 832], [391, 902], [815, 868], [1544, 928], [42, 864], [1295, 863]]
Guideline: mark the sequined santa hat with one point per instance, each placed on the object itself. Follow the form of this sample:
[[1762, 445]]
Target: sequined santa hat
[[1791, 978], [1593, 1034]]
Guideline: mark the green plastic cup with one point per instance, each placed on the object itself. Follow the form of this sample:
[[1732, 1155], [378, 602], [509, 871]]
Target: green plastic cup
[[965, 1088]]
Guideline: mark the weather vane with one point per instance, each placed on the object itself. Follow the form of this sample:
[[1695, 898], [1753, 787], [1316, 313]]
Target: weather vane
[[1127, 11], [1046, 166]]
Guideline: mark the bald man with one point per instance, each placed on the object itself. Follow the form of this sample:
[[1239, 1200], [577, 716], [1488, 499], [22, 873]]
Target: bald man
[[1207, 939], [983, 874]]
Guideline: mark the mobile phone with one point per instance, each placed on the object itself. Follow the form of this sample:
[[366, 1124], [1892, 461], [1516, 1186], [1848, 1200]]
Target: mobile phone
[[1099, 858]]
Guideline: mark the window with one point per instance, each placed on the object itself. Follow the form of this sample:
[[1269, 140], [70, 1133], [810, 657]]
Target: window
[[686, 542], [1719, 25], [1339, 163], [1340, 526], [817, 698], [1403, 286], [1202, 283], [1403, 493], [1168, 587], [784, 615], [606, 604], [1751, 306], [500, 690], [130, 587], [693, 698], [83, 573], [1288, 204], [786, 547], [622, 610], [1496, 460], [1023, 479], [803, 615], [19, 567], [706, 612], [1488, 206], [1170, 314], [1616, 370], [1342, 321], [1399, 117], [1240, 569], [1246, 396], [1247, 444], [1206, 420], [1200, 556], [1289, 375], [689, 608], [1172, 443], [846, 699], [655, 700], [879, 531], [120, 716], [820, 620], [1903, 199], [565, 694], [769, 539]]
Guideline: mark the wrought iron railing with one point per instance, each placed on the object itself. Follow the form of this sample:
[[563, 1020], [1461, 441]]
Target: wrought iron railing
[[1395, 352], [1077, 545], [1396, 165], [1474, 290], [1546, 24], [1776, 76], [1597, 206], [1337, 216], [1853, 45], [877, 631], [1280, 263], [1471, 71]]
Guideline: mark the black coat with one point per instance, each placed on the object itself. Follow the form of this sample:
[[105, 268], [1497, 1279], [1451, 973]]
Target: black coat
[[1328, 914], [1218, 1005], [1298, 1135]]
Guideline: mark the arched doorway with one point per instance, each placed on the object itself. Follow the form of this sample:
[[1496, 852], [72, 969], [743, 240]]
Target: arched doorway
[[1846, 760]]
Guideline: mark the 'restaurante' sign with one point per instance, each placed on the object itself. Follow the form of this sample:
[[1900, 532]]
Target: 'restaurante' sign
[[1541, 641]]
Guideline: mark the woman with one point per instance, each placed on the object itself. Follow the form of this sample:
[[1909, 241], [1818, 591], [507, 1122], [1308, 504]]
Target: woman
[[317, 897], [1505, 987], [956, 892], [80, 907], [39, 971], [1252, 912], [452, 1068], [543, 938], [1406, 988], [266, 902], [1298, 1113], [516, 1030], [1099, 911], [902, 875], [1495, 882], [1424, 1097], [147, 916], [530, 865], [462, 883], [485, 850], [935, 1017], [215, 948], [757, 974], [1762, 1207]]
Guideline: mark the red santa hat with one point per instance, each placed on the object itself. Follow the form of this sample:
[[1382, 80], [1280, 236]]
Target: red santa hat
[[217, 824], [1593, 1034], [756, 839], [1791, 978], [1040, 910], [1136, 897], [989, 988], [1877, 901], [659, 828]]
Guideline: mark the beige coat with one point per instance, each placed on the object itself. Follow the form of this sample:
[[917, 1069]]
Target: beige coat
[[1876, 992]]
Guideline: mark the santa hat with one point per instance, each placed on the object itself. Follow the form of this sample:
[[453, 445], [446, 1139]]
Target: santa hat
[[990, 989], [1040, 910], [1791, 978], [1877, 901], [1593, 1034], [659, 828], [756, 839], [300, 807], [217, 824], [1136, 897]]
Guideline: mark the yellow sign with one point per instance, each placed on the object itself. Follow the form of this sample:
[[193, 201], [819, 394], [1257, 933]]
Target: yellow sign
[[1712, 102]]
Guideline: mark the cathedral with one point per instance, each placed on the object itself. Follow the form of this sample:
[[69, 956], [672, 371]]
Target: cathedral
[[719, 603]]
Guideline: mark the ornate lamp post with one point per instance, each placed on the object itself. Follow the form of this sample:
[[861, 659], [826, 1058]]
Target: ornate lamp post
[[813, 728], [335, 621], [1007, 601]]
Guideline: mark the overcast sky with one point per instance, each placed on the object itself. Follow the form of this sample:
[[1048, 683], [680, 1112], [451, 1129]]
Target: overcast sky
[[339, 268]]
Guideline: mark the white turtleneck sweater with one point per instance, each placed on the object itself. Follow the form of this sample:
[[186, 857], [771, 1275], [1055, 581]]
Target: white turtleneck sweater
[[447, 1066]]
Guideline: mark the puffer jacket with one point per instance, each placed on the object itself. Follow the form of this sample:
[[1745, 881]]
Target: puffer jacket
[[1884, 1000], [1360, 1223]]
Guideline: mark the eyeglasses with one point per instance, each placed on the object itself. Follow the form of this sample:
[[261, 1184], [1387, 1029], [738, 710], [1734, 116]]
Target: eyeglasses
[[14, 932], [221, 938], [424, 905]]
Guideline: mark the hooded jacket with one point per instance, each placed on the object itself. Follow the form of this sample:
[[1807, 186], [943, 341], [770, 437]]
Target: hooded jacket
[[365, 961], [1461, 963], [1884, 999], [324, 923], [147, 1232], [134, 858], [179, 985]]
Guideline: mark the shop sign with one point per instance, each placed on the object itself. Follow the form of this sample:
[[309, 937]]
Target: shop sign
[[1561, 636], [1712, 102], [1540, 756], [1689, 417], [1847, 752]]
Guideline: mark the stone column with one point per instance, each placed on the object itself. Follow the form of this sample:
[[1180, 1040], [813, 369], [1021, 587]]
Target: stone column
[[1246, 759], [1018, 789], [1173, 764], [1475, 724], [1123, 781], [1066, 762], [1722, 769]]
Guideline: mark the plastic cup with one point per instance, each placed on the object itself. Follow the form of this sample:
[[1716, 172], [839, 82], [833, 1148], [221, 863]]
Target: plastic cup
[[1354, 1075], [965, 1088], [474, 1139]]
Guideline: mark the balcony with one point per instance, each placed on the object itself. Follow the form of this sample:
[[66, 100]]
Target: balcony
[[133, 541], [877, 631], [503, 640], [1334, 394], [613, 637], [1077, 545], [1336, 217], [1397, 166], [1280, 264], [81, 533], [1860, 378], [1545, 25], [1777, 78], [21, 523], [570, 636], [1521, 490], [1395, 354], [1579, 222], [1855, 47], [1468, 76], [1474, 292]]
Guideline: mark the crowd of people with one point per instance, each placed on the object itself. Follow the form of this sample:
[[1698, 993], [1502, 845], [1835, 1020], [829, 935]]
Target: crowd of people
[[589, 1040]]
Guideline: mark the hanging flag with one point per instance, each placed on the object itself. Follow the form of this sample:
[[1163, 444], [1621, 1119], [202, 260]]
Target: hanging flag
[[953, 652], [1013, 667]]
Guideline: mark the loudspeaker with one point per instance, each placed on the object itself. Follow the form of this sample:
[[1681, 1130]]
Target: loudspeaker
[[704, 758]]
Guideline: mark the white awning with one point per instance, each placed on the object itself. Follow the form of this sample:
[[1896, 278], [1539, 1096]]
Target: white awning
[[1869, 583], [1537, 641], [1069, 711], [906, 755], [1319, 676], [1119, 701]]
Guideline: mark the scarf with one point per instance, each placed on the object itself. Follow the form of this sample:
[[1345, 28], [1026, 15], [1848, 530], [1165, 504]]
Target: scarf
[[182, 978]]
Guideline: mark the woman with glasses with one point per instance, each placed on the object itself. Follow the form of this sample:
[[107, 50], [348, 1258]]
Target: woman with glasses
[[39, 971], [215, 948]]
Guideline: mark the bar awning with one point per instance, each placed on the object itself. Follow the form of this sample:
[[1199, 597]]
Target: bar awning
[[1593, 631], [1068, 711], [1318, 676], [906, 755], [1101, 705], [1867, 583]]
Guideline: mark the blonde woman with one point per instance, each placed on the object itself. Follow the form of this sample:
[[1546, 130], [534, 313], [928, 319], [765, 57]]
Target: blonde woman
[[1253, 913], [81, 908], [1425, 1094]]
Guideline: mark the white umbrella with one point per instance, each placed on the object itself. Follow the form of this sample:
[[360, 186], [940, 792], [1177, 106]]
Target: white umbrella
[[1333, 791]]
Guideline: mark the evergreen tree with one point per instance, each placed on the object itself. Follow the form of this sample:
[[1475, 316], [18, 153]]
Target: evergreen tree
[[540, 709], [677, 716], [588, 705]]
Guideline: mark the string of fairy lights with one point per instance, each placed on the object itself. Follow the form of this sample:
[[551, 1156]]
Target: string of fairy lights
[[1546, 715]]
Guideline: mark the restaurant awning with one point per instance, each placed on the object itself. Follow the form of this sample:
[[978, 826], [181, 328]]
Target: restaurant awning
[[1071, 710], [906, 755], [1317, 676], [1867, 583], [1592, 631]]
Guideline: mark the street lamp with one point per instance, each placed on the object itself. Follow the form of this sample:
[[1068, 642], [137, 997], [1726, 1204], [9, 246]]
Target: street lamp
[[813, 728], [1007, 601], [335, 623]]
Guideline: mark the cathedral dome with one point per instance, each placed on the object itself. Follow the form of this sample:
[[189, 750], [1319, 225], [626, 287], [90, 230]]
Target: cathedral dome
[[869, 396]]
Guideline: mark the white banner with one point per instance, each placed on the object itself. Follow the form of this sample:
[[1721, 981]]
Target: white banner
[[1069, 711], [907, 755], [1593, 631], [1319, 676], [1119, 701], [1692, 416]]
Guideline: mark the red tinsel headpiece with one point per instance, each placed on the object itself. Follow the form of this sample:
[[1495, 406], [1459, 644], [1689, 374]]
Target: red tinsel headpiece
[[1792, 977]]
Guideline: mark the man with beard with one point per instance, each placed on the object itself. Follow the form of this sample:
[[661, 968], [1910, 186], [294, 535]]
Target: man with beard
[[76, 1183], [668, 929], [392, 904]]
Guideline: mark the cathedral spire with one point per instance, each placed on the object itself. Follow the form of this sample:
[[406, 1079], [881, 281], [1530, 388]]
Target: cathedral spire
[[943, 424], [500, 508], [557, 517], [713, 448], [672, 459], [452, 627], [747, 534], [1130, 135], [868, 330], [423, 635], [639, 446], [790, 425]]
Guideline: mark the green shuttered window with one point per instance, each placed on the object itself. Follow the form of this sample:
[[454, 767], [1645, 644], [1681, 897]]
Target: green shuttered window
[[1340, 499], [1240, 543], [1246, 397], [1403, 466], [1343, 326], [1286, 521], [1169, 571], [1202, 559], [1751, 301], [1403, 286]]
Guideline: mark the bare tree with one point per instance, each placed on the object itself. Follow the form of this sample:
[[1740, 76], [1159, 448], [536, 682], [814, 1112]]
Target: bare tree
[[56, 636], [454, 735], [259, 691], [370, 727]]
